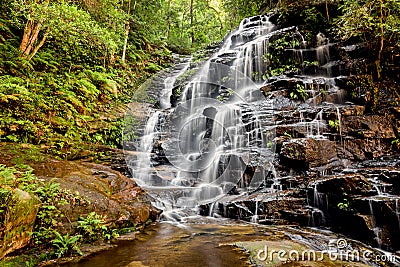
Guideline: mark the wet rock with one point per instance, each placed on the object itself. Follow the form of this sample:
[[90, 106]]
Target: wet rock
[[109, 193], [379, 219], [19, 222], [369, 126], [352, 110], [363, 149], [308, 152], [265, 208], [354, 184]]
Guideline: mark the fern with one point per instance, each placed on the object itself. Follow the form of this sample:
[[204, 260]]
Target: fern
[[46, 59], [66, 245], [88, 89]]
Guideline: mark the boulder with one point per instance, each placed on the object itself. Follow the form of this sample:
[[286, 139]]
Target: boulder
[[308, 151], [19, 222], [354, 184], [108, 193], [363, 149], [371, 126]]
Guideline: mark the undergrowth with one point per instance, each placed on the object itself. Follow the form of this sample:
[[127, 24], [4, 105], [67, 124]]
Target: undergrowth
[[47, 234], [65, 107]]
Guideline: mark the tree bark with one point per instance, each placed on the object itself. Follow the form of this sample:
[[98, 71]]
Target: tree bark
[[127, 29], [382, 41], [191, 23], [30, 37], [30, 43], [327, 10], [36, 49], [169, 19]]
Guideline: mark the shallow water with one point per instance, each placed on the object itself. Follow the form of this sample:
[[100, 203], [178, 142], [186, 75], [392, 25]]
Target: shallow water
[[218, 243], [168, 245]]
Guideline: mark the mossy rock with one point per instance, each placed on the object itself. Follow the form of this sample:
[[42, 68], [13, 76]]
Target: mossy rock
[[19, 222]]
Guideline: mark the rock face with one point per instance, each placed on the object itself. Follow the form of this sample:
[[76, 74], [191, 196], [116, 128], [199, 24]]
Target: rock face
[[368, 136], [109, 193], [19, 221], [308, 151], [336, 163]]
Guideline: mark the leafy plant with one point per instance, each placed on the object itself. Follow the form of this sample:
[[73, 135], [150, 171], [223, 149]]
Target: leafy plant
[[299, 92], [287, 134], [50, 195], [374, 21], [66, 245], [93, 227], [396, 143], [334, 124], [345, 205]]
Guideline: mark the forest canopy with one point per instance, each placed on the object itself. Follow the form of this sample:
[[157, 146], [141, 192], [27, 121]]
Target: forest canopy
[[63, 63]]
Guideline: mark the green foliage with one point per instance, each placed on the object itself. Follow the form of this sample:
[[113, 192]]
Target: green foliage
[[237, 10], [344, 205], [287, 135], [277, 59], [50, 195], [362, 19], [299, 92], [92, 227], [59, 98], [207, 24], [66, 245], [334, 124], [375, 22]]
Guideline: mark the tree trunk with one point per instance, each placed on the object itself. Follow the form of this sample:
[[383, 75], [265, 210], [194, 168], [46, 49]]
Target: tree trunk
[[36, 49], [127, 29], [30, 43], [30, 38], [327, 10], [191, 23], [382, 41], [169, 19]]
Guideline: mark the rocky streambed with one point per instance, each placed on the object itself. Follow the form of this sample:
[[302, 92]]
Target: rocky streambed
[[223, 242], [115, 198]]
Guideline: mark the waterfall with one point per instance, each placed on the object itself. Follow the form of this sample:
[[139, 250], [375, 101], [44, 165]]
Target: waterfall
[[197, 151], [254, 218], [142, 172], [323, 53], [221, 123], [377, 230], [169, 82]]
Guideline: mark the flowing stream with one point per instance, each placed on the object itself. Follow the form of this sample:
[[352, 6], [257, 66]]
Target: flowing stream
[[221, 124], [216, 144]]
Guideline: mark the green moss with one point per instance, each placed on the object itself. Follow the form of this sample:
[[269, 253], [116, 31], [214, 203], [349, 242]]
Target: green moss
[[19, 221]]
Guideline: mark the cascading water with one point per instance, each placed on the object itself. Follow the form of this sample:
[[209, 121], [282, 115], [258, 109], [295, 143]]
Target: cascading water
[[221, 124], [146, 144], [377, 230], [210, 149], [166, 93], [217, 140]]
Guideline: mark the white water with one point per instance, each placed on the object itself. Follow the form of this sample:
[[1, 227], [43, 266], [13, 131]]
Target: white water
[[169, 82], [377, 230], [222, 123], [216, 128]]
